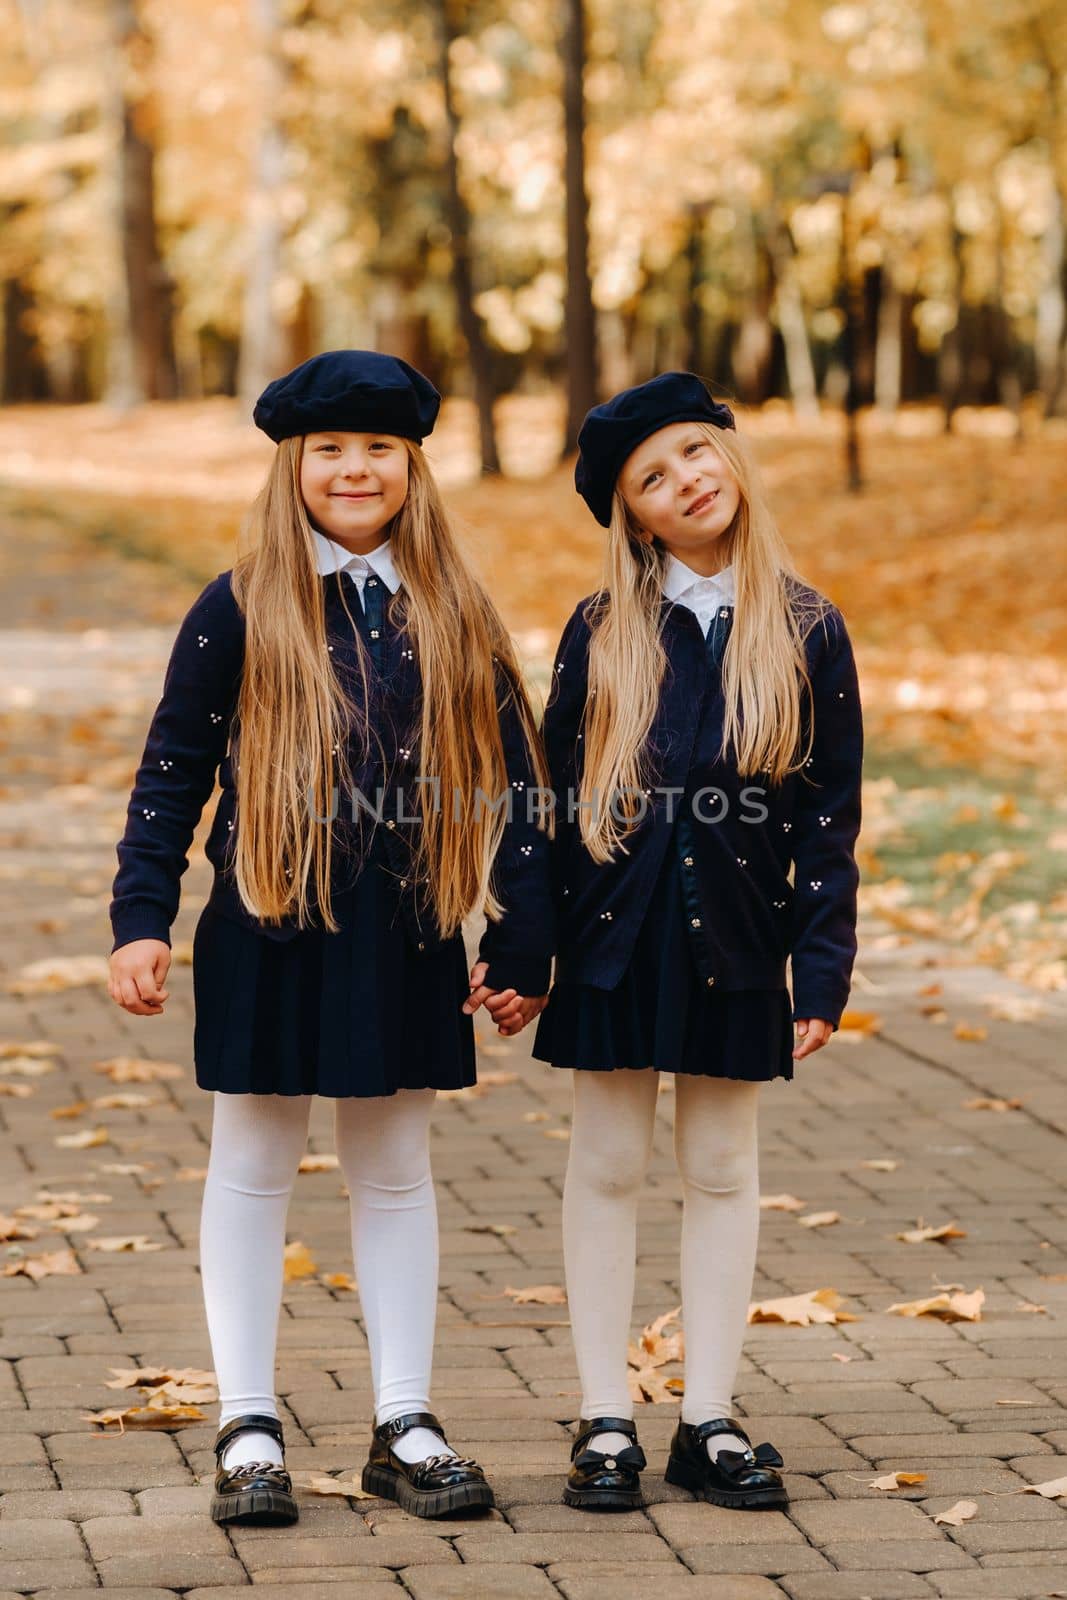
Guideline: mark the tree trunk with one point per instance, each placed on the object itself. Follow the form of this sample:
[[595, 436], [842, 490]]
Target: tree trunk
[[790, 310], [458, 218], [1051, 330], [263, 344], [580, 317]]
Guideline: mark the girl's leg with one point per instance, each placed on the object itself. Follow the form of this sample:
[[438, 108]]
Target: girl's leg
[[717, 1147], [384, 1149], [256, 1144], [611, 1138]]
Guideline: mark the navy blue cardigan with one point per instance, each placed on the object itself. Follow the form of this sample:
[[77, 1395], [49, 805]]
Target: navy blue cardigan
[[189, 743], [746, 835]]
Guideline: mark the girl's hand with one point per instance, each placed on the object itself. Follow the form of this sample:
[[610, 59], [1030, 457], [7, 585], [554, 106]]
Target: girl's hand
[[137, 972], [511, 1011], [814, 1033]]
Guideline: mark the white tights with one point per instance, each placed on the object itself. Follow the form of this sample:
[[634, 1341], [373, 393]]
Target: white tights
[[383, 1146], [717, 1150]]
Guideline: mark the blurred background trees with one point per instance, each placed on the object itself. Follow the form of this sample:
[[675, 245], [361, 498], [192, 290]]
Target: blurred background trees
[[849, 204]]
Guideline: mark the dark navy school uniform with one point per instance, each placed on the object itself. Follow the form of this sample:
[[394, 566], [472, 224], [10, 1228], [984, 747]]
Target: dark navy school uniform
[[674, 957], [375, 1006]]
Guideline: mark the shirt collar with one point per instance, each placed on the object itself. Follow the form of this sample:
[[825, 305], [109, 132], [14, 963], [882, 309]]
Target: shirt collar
[[333, 557], [678, 579]]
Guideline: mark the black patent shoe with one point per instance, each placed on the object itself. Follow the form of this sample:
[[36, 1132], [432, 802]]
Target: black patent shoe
[[255, 1493], [745, 1479], [602, 1480], [434, 1487]]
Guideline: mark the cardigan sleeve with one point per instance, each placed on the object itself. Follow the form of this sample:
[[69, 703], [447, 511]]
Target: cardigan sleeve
[[187, 739], [826, 823], [519, 947]]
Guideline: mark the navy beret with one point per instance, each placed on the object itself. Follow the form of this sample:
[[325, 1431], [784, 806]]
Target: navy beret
[[354, 391], [612, 430]]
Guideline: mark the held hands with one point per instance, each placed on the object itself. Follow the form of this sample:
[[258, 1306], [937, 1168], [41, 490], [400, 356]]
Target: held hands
[[509, 1010], [137, 974], [814, 1033]]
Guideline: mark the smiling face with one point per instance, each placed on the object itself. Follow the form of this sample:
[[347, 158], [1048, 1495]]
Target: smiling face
[[683, 492], [353, 484]]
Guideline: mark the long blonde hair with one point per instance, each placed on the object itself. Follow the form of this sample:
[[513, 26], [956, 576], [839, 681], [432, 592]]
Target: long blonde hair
[[295, 722], [764, 667]]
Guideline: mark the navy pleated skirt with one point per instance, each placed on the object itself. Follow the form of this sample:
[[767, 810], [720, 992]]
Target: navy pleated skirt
[[661, 1014], [353, 1013]]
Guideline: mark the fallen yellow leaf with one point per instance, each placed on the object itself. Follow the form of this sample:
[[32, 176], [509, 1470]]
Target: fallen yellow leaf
[[539, 1294], [338, 1280], [950, 1308], [298, 1262], [958, 1514], [781, 1202], [86, 1139], [819, 1219], [12, 1228], [920, 1235], [817, 1305], [988, 1103], [135, 1069], [17, 1091], [1052, 1489], [970, 1032], [56, 973], [324, 1163], [897, 1480], [54, 1263], [74, 1110], [128, 1243]]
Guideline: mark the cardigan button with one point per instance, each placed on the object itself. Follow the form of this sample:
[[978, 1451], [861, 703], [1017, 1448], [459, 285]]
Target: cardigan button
[[422, 945], [687, 861], [711, 983], [403, 883], [390, 823], [694, 922]]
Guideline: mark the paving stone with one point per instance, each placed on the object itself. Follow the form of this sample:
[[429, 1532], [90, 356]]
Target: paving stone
[[480, 1580], [925, 1555], [73, 1505], [35, 1539], [1033, 1582], [50, 1574], [770, 1559], [610, 1581], [856, 1586], [174, 1567]]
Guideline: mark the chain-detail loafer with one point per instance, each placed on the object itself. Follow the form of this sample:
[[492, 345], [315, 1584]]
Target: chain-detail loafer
[[604, 1480], [434, 1487], [256, 1493], [746, 1479]]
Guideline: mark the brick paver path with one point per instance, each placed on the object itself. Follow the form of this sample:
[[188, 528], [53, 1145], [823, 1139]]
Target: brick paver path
[[979, 1407]]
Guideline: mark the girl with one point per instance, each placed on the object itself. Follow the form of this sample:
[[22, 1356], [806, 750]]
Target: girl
[[353, 686], [703, 732]]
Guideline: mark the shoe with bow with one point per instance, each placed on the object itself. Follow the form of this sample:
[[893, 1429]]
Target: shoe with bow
[[433, 1487], [604, 1480], [253, 1493], [746, 1479]]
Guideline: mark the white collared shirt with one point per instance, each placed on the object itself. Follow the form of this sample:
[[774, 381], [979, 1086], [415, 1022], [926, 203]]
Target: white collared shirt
[[702, 595], [333, 557]]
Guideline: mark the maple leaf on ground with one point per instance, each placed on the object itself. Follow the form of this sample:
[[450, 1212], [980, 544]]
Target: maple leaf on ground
[[817, 1305], [920, 1235], [126, 1243], [958, 1514], [539, 1294], [13, 1228], [298, 1262], [897, 1480], [313, 1163], [61, 1263], [958, 1307], [87, 1139], [819, 1219], [135, 1069], [55, 973]]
